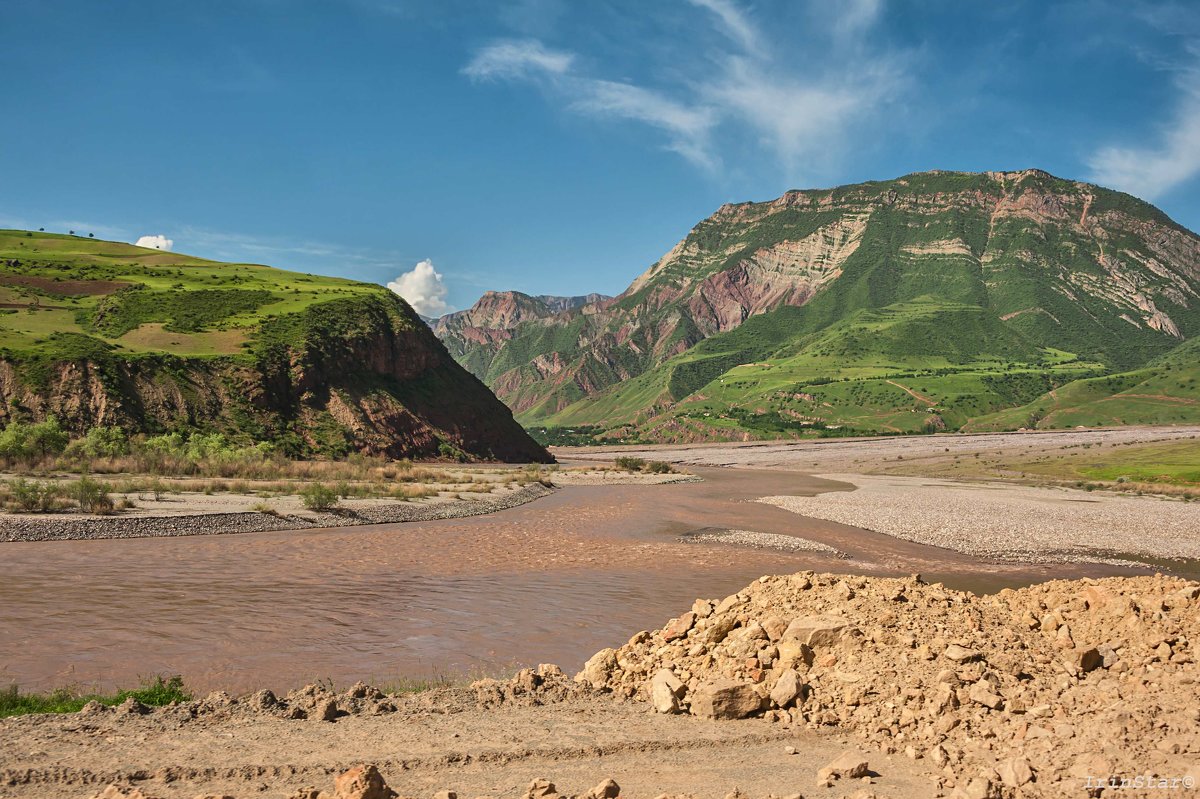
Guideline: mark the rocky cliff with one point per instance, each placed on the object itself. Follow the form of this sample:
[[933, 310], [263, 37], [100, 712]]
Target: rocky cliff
[[317, 365], [931, 271]]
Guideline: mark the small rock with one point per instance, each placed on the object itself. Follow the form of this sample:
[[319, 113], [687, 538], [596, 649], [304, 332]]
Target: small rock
[[92, 708], [960, 654], [605, 790], [849, 765], [1014, 772], [445, 795], [539, 788], [326, 710], [362, 782], [787, 688], [678, 628], [981, 692]]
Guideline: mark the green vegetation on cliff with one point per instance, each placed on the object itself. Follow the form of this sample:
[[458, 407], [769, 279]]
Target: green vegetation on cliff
[[102, 333]]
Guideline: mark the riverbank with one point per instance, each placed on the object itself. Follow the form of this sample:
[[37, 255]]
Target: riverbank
[[181, 522], [935, 692]]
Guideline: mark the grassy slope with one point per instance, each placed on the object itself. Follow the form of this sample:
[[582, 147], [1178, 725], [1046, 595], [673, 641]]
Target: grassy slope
[[1167, 391], [185, 343], [187, 306], [908, 343]]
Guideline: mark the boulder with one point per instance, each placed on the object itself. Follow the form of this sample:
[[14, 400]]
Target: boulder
[[362, 782], [598, 668], [787, 688], [726, 699], [817, 631]]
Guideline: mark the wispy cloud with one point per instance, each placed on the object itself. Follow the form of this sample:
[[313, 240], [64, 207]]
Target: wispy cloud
[[1151, 171], [800, 112], [517, 58]]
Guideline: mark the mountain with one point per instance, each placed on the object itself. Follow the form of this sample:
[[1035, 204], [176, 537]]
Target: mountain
[[104, 333], [928, 302]]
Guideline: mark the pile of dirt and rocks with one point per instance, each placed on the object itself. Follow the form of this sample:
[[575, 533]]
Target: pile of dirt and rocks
[[1063, 688]]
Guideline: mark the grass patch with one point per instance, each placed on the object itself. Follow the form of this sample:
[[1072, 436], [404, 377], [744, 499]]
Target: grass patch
[[157, 692]]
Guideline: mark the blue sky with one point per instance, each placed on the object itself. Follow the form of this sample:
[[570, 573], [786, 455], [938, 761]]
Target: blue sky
[[554, 146]]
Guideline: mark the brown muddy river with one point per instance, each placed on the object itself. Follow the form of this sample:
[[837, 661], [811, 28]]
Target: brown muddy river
[[551, 581]]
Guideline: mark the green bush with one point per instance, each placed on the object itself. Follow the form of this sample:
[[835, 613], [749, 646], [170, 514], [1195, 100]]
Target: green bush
[[91, 495], [100, 442], [26, 441], [630, 464], [659, 467], [318, 496]]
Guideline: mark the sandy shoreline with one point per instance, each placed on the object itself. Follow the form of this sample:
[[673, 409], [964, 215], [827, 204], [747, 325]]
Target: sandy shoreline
[[355, 512]]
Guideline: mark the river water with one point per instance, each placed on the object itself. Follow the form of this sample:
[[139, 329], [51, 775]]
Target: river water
[[551, 581]]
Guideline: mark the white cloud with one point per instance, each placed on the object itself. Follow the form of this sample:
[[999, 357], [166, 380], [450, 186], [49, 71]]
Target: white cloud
[[803, 113], [517, 58], [423, 289], [1149, 172], [159, 242], [687, 126]]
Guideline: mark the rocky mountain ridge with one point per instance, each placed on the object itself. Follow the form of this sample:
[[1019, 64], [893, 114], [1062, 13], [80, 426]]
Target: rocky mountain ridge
[[1039, 263]]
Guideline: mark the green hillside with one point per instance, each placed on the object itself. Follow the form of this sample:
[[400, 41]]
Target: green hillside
[[99, 332], [933, 301]]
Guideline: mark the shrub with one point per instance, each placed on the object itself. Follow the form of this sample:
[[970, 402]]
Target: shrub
[[100, 442], [318, 496], [23, 441], [659, 467], [92, 495], [629, 464], [26, 495]]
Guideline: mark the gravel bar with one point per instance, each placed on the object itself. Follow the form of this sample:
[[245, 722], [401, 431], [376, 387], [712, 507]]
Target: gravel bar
[[752, 538], [53, 528], [1009, 522]]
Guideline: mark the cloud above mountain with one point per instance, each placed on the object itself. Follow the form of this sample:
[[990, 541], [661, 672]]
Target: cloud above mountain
[[158, 242], [422, 288]]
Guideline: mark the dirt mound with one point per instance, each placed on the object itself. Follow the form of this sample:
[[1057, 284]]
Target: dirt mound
[[1057, 689]]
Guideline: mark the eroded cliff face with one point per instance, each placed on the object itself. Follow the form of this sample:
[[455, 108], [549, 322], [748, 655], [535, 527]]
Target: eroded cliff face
[[348, 375], [1066, 264]]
